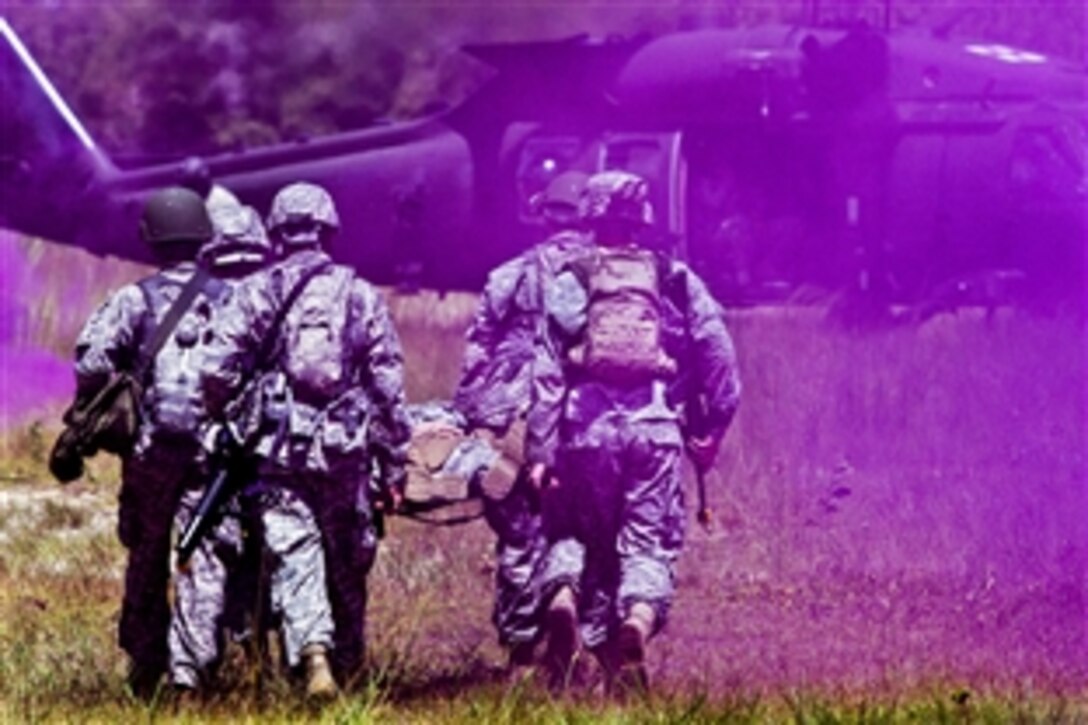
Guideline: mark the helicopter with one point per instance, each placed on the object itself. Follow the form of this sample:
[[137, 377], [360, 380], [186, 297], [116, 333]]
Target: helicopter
[[778, 157]]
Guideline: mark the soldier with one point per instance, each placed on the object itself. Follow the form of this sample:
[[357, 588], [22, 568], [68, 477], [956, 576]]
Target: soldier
[[647, 370], [508, 365], [330, 414], [239, 248], [163, 459]]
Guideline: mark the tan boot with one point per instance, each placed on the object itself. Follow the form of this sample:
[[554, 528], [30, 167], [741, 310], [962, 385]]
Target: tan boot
[[185, 699], [631, 675], [320, 684], [562, 632]]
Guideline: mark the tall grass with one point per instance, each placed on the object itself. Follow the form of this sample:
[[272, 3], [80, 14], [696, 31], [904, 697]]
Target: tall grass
[[900, 536]]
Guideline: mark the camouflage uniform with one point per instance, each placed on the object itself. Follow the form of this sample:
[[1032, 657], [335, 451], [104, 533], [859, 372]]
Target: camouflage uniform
[[219, 584], [615, 522], [510, 371], [201, 595], [321, 446], [162, 463], [618, 512]]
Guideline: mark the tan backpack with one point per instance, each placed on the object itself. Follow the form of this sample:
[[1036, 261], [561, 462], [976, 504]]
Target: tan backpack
[[622, 341]]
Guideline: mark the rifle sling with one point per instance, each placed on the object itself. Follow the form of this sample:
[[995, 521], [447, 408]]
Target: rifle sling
[[271, 338], [263, 361]]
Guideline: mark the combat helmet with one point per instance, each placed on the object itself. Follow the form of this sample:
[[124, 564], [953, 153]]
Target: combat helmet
[[175, 216], [302, 214], [559, 202], [240, 238], [616, 196]]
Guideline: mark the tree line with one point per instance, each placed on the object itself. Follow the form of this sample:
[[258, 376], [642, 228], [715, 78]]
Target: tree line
[[170, 77]]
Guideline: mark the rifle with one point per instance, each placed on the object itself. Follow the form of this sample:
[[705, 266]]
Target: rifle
[[215, 496], [230, 477], [704, 515], [697, 416]]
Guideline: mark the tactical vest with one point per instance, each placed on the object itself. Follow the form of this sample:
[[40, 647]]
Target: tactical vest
[[622, 342], [173, 399]]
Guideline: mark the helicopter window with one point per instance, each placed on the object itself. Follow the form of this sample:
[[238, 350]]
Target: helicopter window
[[1049, 161], [642, 157], [542, 159], [755, 203], [648, 158]]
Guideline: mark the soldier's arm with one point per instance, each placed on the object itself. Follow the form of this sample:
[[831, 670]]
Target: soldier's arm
[[713, 361], [549, 380], [545, 409], [378, 347], [481, 396], [108, 341]]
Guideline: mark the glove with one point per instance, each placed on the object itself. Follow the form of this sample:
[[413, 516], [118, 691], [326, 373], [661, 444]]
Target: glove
[[542, 477], [703, 450], [65, 460]]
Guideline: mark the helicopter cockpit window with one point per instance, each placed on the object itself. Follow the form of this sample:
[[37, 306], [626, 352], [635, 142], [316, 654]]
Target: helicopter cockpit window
[[642, 157], [542, 159]]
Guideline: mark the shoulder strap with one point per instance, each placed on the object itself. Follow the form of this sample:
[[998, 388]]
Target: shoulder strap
[[163, 330], [272, 337]]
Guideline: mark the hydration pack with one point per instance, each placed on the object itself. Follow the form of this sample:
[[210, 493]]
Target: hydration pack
[[623, 333], [315, 347]]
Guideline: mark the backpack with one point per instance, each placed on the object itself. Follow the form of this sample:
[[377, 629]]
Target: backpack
[[622, 342], [173, 400], [315, 357]]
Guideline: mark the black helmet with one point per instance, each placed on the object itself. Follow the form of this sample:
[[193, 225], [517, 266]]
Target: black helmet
[[175, 215]]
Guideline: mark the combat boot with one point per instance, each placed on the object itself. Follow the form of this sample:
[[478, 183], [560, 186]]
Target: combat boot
[[320, 684], [631, 675], [185, 699], [143, 681], [521, 668], [562, 631]]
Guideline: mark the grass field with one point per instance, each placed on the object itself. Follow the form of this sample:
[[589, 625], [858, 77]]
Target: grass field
[[900, 537]]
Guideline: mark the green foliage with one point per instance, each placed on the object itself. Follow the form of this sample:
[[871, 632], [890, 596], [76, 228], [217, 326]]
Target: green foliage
[[160, 77], [876, 489], [24, 457]]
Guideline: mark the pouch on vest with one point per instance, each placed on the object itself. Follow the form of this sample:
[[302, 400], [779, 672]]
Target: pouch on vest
[[315, 355], [340, 435], [107, 421], [622, 340]]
